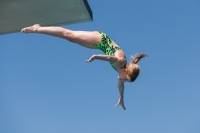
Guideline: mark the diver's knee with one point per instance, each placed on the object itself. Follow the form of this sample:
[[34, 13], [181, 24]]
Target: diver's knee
[[69, 35]]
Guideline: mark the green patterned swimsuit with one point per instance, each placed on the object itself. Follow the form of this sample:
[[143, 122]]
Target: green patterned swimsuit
[[107, 47]]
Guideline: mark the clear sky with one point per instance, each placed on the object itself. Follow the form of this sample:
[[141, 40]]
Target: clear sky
[[46, 86]]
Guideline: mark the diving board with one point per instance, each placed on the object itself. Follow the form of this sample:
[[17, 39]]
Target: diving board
[[17, 14]]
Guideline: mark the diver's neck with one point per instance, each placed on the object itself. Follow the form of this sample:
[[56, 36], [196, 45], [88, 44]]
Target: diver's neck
[[121, 70]]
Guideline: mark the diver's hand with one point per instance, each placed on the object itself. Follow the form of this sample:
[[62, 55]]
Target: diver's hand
[[92, 58], [121, 102]]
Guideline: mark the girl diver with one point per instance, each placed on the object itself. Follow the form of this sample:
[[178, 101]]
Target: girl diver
[[127, 72]]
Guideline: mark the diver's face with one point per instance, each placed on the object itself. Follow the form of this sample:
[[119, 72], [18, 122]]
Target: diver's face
[[123, 76]]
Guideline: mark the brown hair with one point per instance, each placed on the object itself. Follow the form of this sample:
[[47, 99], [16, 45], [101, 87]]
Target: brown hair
[[133, 69]]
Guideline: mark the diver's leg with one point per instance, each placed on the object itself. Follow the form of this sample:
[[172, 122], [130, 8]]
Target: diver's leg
[[84, 38]]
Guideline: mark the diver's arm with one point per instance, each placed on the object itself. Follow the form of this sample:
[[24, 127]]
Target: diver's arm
[[111, 59], [121, 92]]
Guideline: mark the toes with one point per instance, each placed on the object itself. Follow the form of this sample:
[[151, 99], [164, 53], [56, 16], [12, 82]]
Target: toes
[[22, 30]]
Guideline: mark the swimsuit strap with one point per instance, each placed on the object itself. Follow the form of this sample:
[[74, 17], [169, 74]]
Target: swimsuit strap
[[125, 62]]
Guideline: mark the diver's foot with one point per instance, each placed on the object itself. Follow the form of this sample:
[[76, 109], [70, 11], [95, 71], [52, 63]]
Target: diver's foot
[[31, 29]]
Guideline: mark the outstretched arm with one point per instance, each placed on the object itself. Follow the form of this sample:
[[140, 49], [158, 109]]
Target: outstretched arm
[[121, 92], [111, 59]]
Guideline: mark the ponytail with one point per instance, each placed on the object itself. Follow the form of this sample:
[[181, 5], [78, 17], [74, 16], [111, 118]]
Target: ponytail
[[137, 58]]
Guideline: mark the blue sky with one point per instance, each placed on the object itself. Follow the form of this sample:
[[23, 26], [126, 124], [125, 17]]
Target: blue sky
[[47, 87]]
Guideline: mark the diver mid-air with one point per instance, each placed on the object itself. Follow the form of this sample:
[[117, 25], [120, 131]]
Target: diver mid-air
[[127, 72]]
